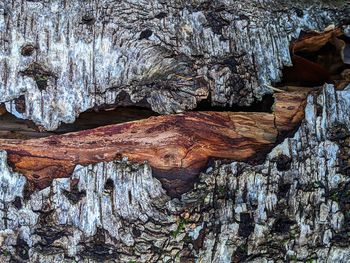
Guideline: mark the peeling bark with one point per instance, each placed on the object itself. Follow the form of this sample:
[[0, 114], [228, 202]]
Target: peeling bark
[[177, 147]]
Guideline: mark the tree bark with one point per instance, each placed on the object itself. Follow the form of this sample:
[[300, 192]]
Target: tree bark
[[60, 58], [66, 57]]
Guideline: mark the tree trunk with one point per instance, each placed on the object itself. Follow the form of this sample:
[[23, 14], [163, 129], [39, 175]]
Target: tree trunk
[[61, 58]]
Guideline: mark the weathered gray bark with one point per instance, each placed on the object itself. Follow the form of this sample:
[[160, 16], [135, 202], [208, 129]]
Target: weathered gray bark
[[67, 56], [292, 207]]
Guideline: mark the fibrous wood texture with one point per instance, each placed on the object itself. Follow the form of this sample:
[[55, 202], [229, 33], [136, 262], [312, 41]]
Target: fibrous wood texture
[[177, 147]]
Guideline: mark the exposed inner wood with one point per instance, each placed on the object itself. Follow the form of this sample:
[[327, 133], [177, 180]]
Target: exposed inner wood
[[318, 57], [12, 127], [177, 147], [2, 110]]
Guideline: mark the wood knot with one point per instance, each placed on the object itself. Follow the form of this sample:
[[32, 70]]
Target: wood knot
[[145, 34], [88, 19], [27, 50]]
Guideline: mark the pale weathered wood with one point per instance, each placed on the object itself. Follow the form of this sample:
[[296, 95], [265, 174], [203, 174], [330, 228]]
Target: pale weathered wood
[[166, 55]]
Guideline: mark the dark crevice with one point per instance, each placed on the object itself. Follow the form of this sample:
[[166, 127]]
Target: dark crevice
[[28, 50], [88, 19], [74, 195], [145, 34], [40, 73], [109, 185], [12, 127], [15, 128], [263, 105], [315, 66]]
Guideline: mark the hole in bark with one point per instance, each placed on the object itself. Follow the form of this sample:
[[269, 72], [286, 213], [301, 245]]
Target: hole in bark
[[97, 248], [283, 162], [231, 62], [246, 226], [339, 131], [282, 225], [299, 12], [22, 249], [74, 195], [243, 136], [40, 74], [14, 128], [216, 22], [283, 190], [241, 254], [130, 196], [136, 232], [145, 34], [20, 104], [49, 233], [109, 185], [88, 19], [17, 202], [318, 58], [161, 15]]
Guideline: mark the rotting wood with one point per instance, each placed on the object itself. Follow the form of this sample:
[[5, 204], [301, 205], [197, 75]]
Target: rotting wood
[[178, 147], [313, 41]]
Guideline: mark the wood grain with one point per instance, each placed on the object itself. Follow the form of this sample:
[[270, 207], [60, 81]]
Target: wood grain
[[178, 147]]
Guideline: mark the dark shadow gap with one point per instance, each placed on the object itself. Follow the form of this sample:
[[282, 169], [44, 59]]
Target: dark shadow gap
[[12, 127], [264, 105], [314, 68]]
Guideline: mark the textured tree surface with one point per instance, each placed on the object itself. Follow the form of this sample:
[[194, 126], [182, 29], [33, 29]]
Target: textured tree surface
[[60, 58], [65, 57], [294, 206], [177, 147]]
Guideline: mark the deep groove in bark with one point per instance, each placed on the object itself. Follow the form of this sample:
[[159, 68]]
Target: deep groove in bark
[[12, 127], [178, 147]]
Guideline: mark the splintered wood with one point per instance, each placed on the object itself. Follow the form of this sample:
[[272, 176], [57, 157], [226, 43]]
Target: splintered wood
[[177, 147]]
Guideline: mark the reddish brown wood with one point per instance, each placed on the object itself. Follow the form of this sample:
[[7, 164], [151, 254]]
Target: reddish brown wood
[[313, 41], [2, 110], [305, 73], [177, 147]]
